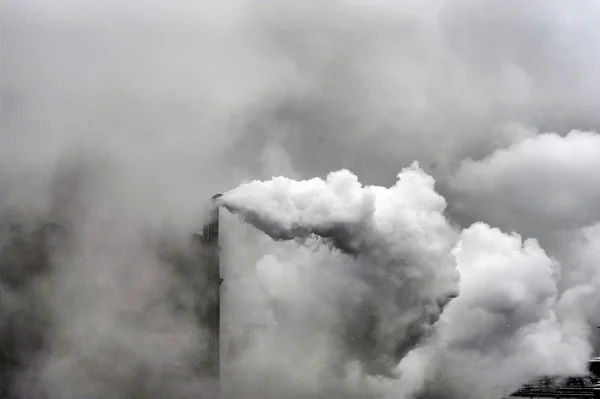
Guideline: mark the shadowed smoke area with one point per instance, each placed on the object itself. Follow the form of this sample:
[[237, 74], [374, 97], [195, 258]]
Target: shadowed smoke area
[[339, 236], [143, 339]]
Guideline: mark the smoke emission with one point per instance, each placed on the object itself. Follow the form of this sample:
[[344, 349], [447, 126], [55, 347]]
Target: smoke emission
[[119, 121], [402, 249]]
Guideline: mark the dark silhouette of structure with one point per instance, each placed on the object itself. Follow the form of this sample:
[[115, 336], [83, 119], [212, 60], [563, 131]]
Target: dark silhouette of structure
[[211, 253], [582, 386]]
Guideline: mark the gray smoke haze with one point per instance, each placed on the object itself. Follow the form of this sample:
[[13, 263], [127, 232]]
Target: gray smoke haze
[[120, 119]]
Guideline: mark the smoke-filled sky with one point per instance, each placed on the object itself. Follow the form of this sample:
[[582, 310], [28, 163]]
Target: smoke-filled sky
[[120, 119]]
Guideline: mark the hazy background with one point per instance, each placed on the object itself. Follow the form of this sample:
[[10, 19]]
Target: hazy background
[[150, 107]]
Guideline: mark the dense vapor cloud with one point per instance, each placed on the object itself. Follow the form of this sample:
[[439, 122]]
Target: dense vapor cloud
[[506, 327], [120, 119], [405, 265]]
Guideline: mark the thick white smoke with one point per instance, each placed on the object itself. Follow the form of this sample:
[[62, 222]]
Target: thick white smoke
[[398, 245], [507, 325], [118, 120]]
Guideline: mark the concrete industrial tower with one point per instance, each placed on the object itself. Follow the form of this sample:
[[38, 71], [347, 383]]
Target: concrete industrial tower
[[212, 316]]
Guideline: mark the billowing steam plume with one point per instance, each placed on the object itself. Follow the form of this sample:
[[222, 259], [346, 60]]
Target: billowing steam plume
[[400, 243], [403, 253]]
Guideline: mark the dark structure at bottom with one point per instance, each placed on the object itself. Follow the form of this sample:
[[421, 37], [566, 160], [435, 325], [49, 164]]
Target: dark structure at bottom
[[586, 386]]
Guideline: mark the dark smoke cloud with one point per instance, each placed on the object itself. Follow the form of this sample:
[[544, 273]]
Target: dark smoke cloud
[[120, 119]]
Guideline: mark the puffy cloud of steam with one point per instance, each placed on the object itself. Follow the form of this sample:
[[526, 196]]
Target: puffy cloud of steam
[[505, 327], [169, 102], [399, 238]]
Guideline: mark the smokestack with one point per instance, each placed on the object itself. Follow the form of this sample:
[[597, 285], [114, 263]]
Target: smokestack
[[210, 242]]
